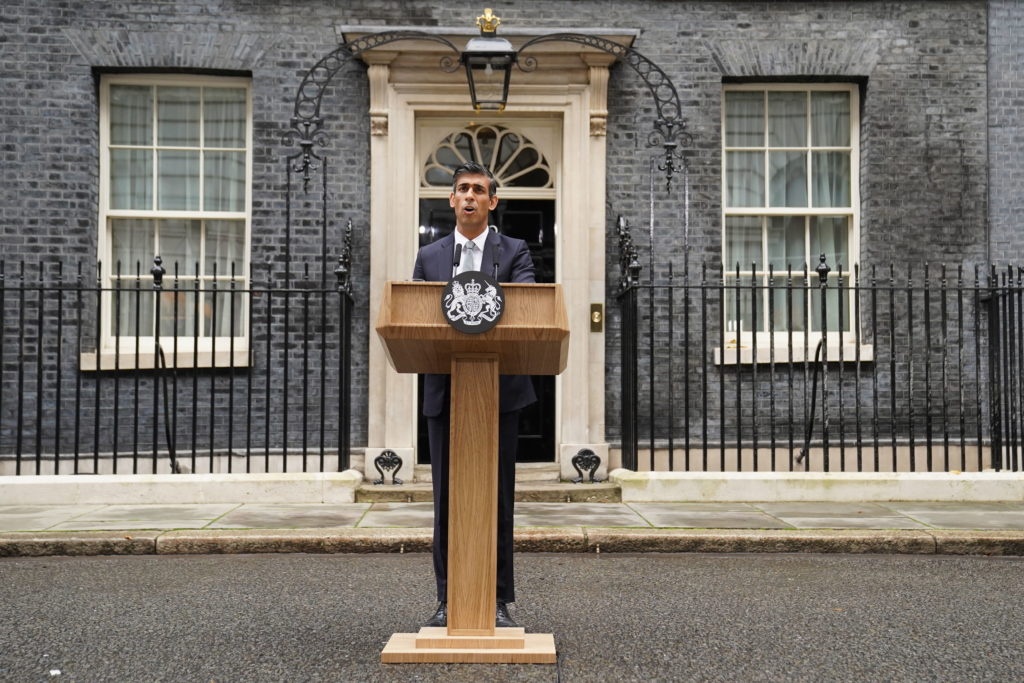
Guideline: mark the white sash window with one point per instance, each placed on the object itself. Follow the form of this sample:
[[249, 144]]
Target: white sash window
[[791, 192], [175, 169]]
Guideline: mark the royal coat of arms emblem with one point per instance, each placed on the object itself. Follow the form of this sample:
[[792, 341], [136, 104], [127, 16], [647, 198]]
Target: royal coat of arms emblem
[[472, 302]]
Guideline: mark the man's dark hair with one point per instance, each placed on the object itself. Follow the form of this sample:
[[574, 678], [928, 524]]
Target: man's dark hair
[[473, 168]]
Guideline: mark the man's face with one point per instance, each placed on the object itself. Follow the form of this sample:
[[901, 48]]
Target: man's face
[[472, 203]]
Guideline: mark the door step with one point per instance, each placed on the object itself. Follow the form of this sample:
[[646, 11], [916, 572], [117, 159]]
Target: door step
[[533, 472], [526, 492]]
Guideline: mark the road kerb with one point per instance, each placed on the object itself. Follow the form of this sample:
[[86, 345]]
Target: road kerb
[[527, 539], [45, 543], [979, 542], [340, 540], [759, 541]]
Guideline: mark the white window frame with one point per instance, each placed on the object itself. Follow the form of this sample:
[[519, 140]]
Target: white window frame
[[121, 352], [740, 345]]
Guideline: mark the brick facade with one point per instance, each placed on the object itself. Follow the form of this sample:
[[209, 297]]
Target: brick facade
[[941, 84]]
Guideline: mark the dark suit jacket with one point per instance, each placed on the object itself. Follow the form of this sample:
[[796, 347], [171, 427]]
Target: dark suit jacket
[[434, 264]]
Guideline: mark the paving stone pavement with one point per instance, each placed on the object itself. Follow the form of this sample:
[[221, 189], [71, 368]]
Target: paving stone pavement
[[753, 516]]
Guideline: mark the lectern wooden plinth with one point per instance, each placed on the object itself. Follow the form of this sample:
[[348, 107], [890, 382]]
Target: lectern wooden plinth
[[530, 339]]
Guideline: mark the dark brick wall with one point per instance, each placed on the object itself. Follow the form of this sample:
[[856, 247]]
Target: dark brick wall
[[1006, 130], [925, 118]]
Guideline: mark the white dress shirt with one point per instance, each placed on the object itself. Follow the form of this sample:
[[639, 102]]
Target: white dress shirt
[[471, 258]]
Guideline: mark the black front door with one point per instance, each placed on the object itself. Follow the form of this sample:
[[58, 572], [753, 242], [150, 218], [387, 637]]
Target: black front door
[[532, 220]]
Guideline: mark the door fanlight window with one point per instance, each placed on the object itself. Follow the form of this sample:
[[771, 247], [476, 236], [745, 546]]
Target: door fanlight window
[[513, 158]]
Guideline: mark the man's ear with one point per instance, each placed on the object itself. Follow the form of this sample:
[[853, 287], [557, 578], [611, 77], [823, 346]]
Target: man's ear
[[493, 202], [451, 200]]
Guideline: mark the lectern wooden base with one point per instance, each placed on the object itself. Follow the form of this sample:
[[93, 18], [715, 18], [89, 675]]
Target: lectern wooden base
[[506, 646]]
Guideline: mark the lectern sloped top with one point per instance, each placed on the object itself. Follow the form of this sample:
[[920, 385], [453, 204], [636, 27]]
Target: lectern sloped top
[[532, 337]]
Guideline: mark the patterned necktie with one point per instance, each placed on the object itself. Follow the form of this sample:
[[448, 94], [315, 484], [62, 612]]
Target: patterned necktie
[[468, 257]]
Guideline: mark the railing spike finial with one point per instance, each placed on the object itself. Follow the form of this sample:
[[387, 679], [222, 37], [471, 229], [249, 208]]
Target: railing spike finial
[[823, 270], [157, 271]]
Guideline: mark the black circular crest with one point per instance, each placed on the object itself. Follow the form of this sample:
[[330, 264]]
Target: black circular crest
[[472, 302]]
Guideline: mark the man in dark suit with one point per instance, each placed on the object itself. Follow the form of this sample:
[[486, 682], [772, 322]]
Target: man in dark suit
[[508, 260]]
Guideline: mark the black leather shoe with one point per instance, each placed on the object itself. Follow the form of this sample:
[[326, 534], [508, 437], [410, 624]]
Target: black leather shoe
[[502, 618], [440, 617]]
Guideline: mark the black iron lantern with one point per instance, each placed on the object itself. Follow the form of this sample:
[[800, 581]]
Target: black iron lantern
[[488, 60]]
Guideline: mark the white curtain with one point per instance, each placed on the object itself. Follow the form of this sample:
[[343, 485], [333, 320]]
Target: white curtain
[[743, 249], [131, 170], [745, 179], [225, 248], [224, 117], [179, 247], [744, 127], [224, 181], [132, 245], [830, 236], [131, 255], [179, 180], [830, 127], [788, 179], [830, 119], [831, 184], [787, 119]]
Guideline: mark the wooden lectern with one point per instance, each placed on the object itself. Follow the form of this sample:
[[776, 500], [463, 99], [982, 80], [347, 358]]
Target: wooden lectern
[[531, 338]]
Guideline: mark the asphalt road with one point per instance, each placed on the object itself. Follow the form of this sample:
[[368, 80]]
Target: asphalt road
[[615, 617]]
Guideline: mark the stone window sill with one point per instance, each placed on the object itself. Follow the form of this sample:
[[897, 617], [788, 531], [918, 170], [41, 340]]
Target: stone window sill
[[147, 360], [745, 355]]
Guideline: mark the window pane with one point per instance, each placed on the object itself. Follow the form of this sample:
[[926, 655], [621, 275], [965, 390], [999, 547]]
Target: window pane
[[742, 242], [131, 253], [437, 176], [224, 182], [223, 309], [445, 155], [527, 157], [177, 317], [464, 146], [744, 119], [509, 144], [179, 244], [225, 244], [830, 236], [786, 243], [787, 119], [131, 179], [486, 139], [224, 117], [179, 180], [831, 307], [745, 175], [830, 119], [178, 117], [790, 307], [739, 311], [131, 245], [131, 305], [831, 178], [131, 115], [788, 178]]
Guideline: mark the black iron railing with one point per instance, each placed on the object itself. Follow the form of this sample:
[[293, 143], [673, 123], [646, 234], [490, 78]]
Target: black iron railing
[[833, 369], [108, 372]]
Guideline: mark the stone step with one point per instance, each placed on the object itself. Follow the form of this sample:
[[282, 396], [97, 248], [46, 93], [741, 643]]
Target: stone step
[[527, 492], [539, 472]]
